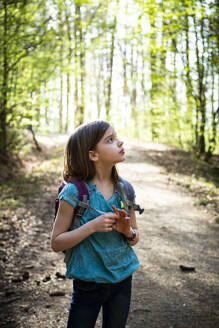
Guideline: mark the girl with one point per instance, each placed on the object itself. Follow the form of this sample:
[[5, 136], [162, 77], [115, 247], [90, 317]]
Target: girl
[[101, 261]]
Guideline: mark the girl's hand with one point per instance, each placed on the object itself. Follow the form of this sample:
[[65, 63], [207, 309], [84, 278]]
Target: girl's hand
[[104, 222], [121, 213], [123, 224]]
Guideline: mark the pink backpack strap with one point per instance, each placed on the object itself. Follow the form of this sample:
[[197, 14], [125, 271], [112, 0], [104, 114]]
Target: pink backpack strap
[[79, 210], [83, 194]]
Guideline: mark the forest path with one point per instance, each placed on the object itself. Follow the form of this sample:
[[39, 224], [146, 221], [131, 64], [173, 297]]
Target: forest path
[[173, 232]]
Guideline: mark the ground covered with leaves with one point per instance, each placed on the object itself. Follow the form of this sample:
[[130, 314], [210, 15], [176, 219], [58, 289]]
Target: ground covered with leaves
[[177, 283]]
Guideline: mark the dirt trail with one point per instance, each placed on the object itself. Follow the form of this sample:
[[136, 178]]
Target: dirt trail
[[173, 232]]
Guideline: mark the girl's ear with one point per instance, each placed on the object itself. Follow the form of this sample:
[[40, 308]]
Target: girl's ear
[[93, 155]]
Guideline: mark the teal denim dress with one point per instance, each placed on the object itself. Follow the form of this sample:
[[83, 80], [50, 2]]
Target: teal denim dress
[[103, 257]]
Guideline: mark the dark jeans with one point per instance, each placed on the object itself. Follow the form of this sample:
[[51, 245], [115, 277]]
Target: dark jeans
[[88, 297]]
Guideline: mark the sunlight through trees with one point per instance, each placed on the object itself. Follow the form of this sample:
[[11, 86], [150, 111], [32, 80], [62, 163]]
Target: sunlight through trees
[[150, 67]]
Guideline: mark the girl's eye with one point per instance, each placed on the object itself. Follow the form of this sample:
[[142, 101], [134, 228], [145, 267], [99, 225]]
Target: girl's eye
[[110, 139]]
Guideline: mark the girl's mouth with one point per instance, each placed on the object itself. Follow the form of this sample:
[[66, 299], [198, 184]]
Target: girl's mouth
[[122, 152]]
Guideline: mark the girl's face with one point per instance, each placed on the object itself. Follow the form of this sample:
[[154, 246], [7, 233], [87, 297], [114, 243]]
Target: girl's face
[[109, 149]]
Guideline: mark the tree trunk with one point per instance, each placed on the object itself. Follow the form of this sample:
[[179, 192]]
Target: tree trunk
[[3, 102], [214, 118], [175, 107], [188, 82], [76, 63], [201, 101], [80, 65], [61, 35], [110, 68], [45, 93], [61, 104], [133, 93], [163, 51], [99, 69], [67, 103], [153, 70], [67, 16]]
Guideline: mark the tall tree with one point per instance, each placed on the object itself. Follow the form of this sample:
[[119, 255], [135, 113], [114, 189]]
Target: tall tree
[[152, 12], [110, 61], [23, 29], [69, 60]]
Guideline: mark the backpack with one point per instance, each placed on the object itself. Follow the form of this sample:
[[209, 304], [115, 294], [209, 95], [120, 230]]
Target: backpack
[[126, 190], [127, 193], [83, 200]]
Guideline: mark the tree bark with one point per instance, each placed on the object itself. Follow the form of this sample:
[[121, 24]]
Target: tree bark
[[188, 81], [76, 64], [69, 57], [111, 59], [3, 109], [80, 66], [153, 75], [201, 101]]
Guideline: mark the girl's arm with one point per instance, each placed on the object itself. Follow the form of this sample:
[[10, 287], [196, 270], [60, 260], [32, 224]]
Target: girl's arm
[[63, 239]]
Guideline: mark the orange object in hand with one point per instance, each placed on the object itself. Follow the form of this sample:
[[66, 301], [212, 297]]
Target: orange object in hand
[[122, 213]]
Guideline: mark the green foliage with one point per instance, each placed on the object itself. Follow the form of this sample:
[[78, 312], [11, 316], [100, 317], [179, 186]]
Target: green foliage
[[25, 63], [204, 202], [149, 65], [9, 203]]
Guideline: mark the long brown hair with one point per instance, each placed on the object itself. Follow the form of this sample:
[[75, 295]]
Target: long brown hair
[[77, 163]]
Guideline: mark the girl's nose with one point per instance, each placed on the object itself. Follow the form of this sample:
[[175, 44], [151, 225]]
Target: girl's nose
[[120, 142]]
